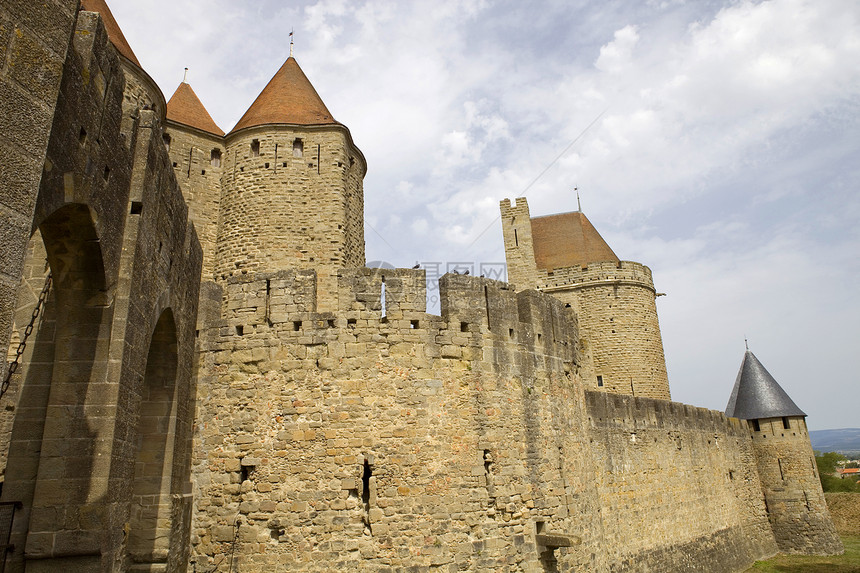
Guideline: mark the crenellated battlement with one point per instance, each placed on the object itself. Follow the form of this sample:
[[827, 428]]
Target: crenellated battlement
[[384, 311]]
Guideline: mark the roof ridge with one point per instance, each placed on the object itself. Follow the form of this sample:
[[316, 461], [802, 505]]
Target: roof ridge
[[289, 98]]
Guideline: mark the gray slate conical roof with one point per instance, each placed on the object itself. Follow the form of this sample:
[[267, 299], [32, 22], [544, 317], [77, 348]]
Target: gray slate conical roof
[[757, 395]]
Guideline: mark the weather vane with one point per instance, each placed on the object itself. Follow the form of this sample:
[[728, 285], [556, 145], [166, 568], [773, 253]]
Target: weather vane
[[291, 42], [578, 204]]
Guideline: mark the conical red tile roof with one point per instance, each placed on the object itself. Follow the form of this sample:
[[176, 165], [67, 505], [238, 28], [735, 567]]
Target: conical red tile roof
[[288, 98], [568, 240], [113, 30], [186, 108]]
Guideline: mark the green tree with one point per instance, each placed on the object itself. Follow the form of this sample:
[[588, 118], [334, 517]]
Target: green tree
[[827, 473]]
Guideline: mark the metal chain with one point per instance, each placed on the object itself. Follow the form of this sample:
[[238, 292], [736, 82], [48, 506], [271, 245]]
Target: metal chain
[[13, 366]]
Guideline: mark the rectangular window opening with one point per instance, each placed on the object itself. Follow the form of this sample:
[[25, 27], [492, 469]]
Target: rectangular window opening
[[240, 330], [786, 423], [600, 381], [413, 324], [298, 148], [136, 207], [297, 325], [255, 148], [464, 327]]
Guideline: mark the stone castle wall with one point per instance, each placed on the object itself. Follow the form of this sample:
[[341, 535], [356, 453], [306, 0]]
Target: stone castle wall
[[845, 510], [33, 46], [197, 158], [482, 447], [97, 459], [678, 486], [292, 199], [792, 490]]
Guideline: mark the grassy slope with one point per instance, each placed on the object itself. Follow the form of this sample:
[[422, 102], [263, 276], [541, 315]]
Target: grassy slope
[[849, 562]]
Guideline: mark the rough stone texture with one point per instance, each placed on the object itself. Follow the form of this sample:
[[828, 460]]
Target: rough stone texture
[[284, 208], [676, 484], [615, 302], [197, 158], [33, 45], [792, 490], [117, 332], [337, 424], [845, 510]]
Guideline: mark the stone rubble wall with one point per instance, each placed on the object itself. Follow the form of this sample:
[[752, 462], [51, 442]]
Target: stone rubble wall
[[616, 305], [33, 46], [284, 209], [786, 466], [845, 510], [476, 433], [678, 486], [191, 155]]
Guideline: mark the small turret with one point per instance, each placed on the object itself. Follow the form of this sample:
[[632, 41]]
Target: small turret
[[292, 182], [786, 465]]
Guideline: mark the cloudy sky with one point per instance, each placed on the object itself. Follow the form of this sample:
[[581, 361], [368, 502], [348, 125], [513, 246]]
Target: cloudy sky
[[718, 142]]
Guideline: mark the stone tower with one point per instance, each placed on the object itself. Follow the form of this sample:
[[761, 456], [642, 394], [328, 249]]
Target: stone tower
[[565, 256], [292, 188], [195, 145], [786, 465]]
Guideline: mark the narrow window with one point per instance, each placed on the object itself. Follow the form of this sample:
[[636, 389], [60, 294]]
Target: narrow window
[[298, 148], [785, 423], [755, 425], [382, 297], [366, 475], [255, 148], [215, 158], [600, 380], [166, 138]]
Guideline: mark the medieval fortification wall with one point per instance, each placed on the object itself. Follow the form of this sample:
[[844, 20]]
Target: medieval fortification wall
[[381, 439], [334, 423]]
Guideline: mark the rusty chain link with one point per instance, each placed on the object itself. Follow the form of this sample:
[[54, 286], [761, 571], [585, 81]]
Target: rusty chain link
[[13, 366]]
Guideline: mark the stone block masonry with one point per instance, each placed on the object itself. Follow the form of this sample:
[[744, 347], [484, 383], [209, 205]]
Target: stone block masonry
[[380, 437]]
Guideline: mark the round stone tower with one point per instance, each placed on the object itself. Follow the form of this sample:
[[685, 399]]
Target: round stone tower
[[195, 145], [292, 188], [615, 301], [794, 500]]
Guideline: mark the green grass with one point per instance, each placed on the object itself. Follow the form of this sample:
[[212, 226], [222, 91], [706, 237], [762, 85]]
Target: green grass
[[849, 562]]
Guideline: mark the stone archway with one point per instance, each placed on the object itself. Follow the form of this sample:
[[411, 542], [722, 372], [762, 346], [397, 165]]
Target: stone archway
[[150, 522], [59, 449]]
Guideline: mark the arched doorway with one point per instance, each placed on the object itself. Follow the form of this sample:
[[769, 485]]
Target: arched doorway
[[150, 523], [55, 466]]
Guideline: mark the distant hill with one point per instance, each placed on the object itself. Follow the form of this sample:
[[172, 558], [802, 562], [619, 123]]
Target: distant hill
[[843, 441]]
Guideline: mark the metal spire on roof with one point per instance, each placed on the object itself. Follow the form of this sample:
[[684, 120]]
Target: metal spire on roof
[[578, 204], [185, 77], [291, 43], [747, 342]]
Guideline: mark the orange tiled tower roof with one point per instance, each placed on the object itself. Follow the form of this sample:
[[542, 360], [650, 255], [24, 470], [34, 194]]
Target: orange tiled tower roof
[[567, 240], [186, 108], [113, 30], [288, 98]]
